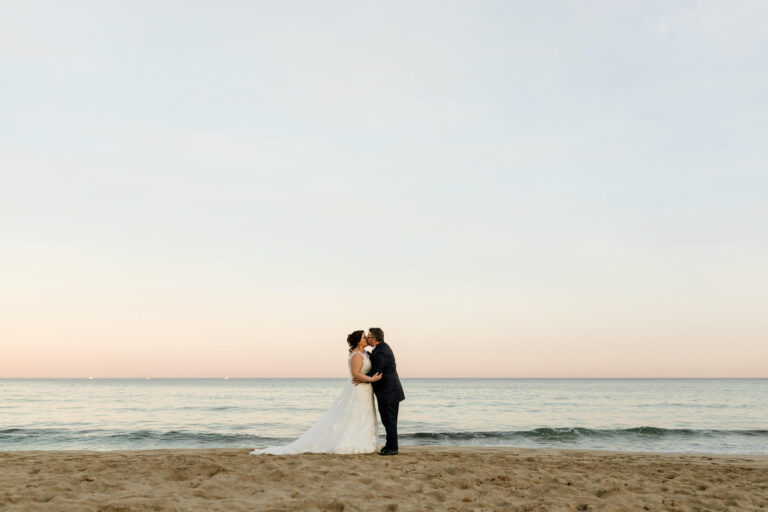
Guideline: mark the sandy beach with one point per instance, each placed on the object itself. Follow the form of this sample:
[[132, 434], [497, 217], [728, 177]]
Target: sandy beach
[[420, 478]]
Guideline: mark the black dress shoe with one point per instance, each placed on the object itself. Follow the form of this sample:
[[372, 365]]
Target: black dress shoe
[[387, 451]]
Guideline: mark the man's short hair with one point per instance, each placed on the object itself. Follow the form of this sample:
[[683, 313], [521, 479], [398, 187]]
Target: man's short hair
[[377, 333]]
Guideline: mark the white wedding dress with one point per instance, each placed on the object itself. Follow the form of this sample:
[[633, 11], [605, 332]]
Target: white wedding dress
[[348, 426]]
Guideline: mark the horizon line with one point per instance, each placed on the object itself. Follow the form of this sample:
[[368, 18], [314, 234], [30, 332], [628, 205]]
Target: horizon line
[[411, 378]]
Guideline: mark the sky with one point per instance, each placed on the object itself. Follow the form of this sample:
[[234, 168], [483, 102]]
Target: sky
[[507, 189]]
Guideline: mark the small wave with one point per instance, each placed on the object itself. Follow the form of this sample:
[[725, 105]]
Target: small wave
[[32, 432], [208, 438], [575, 433], [135, 437]]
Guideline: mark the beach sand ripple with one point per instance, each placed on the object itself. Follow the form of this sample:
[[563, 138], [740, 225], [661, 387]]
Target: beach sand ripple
[[420, 478]]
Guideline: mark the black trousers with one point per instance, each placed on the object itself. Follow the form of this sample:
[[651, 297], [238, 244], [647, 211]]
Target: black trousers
[[388, 412]]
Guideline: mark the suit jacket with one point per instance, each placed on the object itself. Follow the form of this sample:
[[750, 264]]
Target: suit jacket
[[388, 389]]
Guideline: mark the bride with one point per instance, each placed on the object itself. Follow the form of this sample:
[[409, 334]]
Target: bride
[[349, 425]]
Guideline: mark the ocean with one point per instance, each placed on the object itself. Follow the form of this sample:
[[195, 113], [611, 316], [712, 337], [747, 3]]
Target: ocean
[[657, 415]]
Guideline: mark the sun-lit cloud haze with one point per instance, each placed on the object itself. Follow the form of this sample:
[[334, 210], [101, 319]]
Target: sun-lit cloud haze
[[508, 189]]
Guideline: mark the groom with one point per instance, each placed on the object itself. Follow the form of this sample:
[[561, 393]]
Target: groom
[[388, 391]]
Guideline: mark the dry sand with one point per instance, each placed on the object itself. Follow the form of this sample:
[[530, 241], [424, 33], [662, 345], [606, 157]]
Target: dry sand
[[423, 478]]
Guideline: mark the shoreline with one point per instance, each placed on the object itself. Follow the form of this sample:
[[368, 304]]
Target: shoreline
[[420, 478], [758, 457]]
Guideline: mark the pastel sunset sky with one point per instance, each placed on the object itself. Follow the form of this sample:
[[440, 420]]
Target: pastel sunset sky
[[508, 189]]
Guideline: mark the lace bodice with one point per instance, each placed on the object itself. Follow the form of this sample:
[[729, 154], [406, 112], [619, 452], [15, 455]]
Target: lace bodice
[[366, 363]]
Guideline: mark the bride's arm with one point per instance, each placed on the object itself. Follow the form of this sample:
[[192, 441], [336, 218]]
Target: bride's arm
[[356, 364]]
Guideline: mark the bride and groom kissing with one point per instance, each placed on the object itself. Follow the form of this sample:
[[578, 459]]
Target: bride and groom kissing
[[349, 425]]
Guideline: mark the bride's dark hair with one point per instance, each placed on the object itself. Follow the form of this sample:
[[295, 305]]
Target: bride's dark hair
[[353, 340]]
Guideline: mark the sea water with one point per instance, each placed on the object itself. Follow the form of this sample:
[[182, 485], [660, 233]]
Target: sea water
[[661, 415]]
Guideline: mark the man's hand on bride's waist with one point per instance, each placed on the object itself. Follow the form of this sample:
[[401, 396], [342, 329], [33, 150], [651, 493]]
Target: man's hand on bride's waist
[[374, 378]]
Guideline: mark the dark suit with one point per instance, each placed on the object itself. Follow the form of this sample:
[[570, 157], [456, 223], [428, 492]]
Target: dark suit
[[388, 391]]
